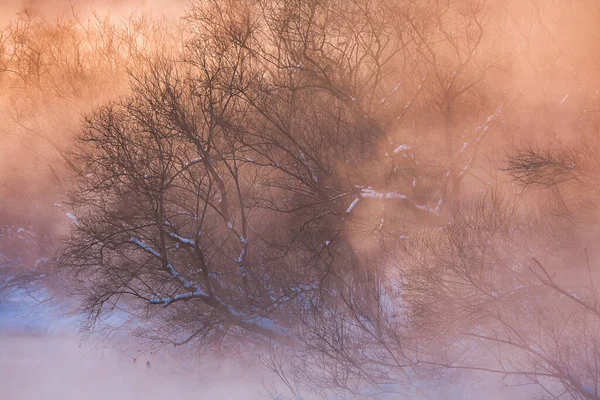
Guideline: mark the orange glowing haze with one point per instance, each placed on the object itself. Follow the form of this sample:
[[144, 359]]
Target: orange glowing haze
[[314, 199]]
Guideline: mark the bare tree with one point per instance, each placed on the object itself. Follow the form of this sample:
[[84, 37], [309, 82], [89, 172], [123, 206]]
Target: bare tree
[[54, 70], [513, 289], [259, 187]]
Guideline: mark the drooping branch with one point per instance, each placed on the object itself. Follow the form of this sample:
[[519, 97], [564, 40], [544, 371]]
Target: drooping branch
[[253, 323]]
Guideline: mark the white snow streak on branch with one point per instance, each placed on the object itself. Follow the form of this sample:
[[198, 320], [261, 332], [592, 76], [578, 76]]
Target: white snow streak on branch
[[465, 144], [256, 321], [241, 256], [145, 247], [401, 148], [198, 292], [352, 205], [482, 131], [168, 300], [410, 101], [495, 114], [368, 192], [189, 214], [268, 325], [40, 260], [430, 209], [72, 218], [466, 167], [182, 239], [392, 195], [192, 162], [393, 91], [315, 178]]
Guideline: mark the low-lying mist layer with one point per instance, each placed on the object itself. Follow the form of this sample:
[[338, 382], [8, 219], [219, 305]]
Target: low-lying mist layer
[[34, 367]]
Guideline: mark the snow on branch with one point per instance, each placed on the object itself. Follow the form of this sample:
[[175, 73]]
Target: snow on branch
[[430, 209], [352, 205], [314, 176], [369, 192], [145, 247], [183, 240], [73, 218], [267, 324], [188, 284], [481, 130], [258, 324], [393, 91], [184, 296], [192, 162], [240, 261], [400, 148]]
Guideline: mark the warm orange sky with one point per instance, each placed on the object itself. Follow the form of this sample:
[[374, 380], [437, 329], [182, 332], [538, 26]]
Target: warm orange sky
[[8, 8]]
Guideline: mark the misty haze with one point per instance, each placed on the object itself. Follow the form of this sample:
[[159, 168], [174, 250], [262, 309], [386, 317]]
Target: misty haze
[[300, 199]]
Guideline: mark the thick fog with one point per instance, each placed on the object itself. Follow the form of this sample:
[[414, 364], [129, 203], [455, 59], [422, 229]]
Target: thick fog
[[61, 367], [312, 199]]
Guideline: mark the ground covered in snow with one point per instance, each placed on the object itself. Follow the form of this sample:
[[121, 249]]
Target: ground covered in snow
[[61, 368], [43, 357]]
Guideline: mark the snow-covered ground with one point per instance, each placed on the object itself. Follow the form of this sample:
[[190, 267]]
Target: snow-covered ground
[[22, 313], [60, 368], [43, 357]]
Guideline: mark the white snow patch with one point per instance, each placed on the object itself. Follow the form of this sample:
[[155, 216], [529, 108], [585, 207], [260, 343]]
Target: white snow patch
[[465, 144], [192, 162], [241, 256], [72, 218], [400, 148], [40, 260], [352, 205], [182, 239], [430, 209], [368, 192]]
